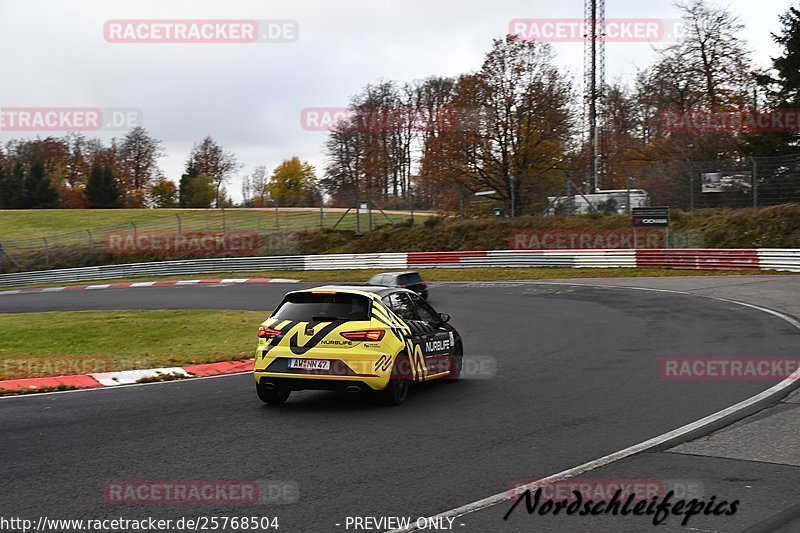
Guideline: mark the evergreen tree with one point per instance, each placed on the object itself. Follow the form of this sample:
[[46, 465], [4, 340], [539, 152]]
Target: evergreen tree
[[39, 192], [782, 88], [3, 192], [12, 187], [200, 191], [102, 189], [185, 184]]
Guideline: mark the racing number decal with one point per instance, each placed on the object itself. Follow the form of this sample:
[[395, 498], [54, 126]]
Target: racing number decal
[[402, 332]]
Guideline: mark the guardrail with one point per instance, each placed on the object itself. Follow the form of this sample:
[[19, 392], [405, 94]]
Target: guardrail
[[707, 259]]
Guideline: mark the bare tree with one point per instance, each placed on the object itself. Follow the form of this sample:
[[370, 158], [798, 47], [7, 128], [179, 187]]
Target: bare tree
[[522, 123], [209, 158], [138, 159], [343, 175], [708, 68], [254, 185]]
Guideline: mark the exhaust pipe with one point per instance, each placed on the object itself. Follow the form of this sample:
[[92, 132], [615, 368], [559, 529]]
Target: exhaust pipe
[[269, 385], [353, 389]]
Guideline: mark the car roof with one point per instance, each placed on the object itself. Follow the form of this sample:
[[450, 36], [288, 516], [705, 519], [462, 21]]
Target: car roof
[[398, 274], [355, 289]]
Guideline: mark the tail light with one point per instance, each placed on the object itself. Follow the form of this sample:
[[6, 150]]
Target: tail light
[[401, 286], [267, 333], [424, 283], [366, 335]]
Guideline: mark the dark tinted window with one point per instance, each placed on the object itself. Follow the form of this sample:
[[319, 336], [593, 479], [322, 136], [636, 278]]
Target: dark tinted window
[[425, 311], [305, 306], [402, 306], [410, 279]]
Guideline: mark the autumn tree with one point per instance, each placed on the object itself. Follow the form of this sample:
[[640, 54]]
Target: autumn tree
[[138, 158], [708, 68], [522, 123], [343, 176], [211, 159], [433, 98], [162, 194], [293, 184], [76, 165]]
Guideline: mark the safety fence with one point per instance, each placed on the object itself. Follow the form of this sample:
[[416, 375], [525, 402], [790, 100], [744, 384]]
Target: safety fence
[[185, 233], [698, 259]]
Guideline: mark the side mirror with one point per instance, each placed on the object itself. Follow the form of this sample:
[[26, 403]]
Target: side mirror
[[444, 318]]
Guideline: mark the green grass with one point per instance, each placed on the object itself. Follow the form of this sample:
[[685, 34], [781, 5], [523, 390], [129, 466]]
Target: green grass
[[33, 224], [126, 339]]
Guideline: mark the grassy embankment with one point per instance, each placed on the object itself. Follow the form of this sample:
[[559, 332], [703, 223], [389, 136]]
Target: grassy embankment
[[41, 344]]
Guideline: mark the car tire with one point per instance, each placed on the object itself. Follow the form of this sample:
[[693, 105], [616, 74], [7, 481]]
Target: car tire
[[272, 396], [396, 390], [456, 364]]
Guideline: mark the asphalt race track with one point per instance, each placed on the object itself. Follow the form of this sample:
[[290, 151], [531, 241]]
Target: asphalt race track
[[577, 377]]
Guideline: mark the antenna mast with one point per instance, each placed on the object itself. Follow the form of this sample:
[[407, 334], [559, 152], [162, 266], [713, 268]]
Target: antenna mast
[[594, 68]]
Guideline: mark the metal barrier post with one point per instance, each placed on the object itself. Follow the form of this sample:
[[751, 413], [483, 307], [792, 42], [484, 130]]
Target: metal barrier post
[[512, 192], [91, 240], [630, 209]]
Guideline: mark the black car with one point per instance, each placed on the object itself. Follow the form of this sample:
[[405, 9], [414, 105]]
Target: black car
[[402, 280]]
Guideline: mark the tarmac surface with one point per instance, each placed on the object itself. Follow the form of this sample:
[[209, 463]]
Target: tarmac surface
[[557, 375]]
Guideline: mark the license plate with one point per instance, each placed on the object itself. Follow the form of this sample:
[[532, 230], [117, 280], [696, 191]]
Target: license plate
[[309, 364]]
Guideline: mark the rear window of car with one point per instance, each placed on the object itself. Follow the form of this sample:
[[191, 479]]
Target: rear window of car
[[315, 306], [410, 279]]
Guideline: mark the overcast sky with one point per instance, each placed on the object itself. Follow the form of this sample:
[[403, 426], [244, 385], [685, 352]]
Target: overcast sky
[[250, 96]]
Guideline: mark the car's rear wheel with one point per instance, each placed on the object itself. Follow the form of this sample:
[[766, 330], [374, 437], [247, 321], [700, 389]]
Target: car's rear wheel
[[396, 391], [272, 396]]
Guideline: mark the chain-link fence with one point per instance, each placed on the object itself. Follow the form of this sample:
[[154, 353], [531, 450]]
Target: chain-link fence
[[190, 234], [686, 185]]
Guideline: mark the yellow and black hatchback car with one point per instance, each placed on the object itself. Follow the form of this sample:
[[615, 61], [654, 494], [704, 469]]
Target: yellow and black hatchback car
[[354, 339]]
